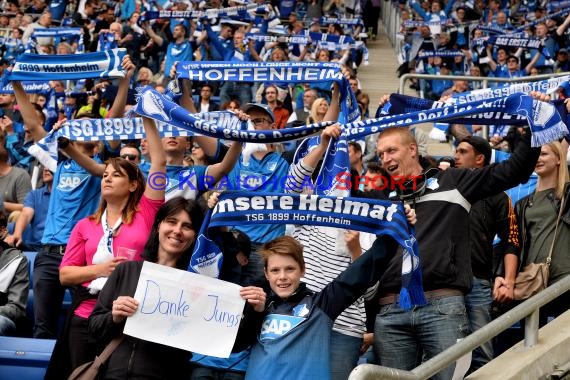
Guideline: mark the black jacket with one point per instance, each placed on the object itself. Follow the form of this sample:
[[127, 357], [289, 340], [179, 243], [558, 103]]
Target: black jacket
[[442, 211], [489, 217]]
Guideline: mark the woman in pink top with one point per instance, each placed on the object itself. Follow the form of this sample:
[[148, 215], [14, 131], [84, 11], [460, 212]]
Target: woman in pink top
[[116, 232]]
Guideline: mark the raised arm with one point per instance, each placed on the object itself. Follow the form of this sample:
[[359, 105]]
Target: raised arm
[[217, 171], [118, 108], [157, 158], [28, 111], [152, 34], [562, 28], [208, 144], [492, 63], [93, 167], [532, 63]]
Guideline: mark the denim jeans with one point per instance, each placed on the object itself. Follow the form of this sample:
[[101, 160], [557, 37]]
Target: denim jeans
[[345, 351], [7, 326], [48, 294], [478, 304], [402, 338], [235, 90]]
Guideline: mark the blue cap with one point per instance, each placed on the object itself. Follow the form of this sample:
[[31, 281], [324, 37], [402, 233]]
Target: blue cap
[[262, 107]]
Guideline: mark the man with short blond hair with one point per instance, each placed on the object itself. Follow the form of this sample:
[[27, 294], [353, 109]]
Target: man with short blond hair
[[442, 200]]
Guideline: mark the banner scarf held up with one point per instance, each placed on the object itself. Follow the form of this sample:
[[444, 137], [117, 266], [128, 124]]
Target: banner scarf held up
[[270, 72], [544, 119], [326, 20], [56, 32], [546, 86], [366, 215], [336, 159], [132, 128], [156, 106], [29, 88], [241, 10], [36, 67]]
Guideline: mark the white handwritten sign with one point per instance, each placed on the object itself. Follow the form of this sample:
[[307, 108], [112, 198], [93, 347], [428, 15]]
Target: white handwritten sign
[[186, 310]]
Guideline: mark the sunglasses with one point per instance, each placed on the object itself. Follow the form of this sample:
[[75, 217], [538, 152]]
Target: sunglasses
[[195, 146], [130, 157]]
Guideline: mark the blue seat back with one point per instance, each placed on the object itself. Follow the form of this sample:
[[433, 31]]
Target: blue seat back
[[24, 358]]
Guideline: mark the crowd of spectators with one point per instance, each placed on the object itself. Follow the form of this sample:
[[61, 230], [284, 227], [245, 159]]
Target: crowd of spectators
[[56, 208]]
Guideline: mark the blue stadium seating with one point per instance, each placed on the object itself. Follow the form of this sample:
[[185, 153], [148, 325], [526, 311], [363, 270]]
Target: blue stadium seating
[[24, 358]]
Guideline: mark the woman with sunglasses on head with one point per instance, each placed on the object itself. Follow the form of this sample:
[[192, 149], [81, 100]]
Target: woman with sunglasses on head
[[116, 232]]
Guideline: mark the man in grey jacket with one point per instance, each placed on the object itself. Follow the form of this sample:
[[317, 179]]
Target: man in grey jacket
[[14, 285]]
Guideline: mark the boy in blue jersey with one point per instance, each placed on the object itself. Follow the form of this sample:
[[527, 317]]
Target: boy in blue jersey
[[294, 336]]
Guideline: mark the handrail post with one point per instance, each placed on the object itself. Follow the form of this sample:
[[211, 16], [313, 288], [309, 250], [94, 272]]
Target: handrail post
[[531, 329]]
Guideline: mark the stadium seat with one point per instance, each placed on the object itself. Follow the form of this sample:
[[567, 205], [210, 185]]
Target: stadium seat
[[24, 358]]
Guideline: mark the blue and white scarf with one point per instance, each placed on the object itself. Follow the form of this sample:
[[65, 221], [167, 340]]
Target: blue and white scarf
[[440, 53], [259, 37], [156, 106], [239, 11], [29, 88], [544, 119], [510, 41], [546, 86], [367, 215], [132, 128], [73, 66], [107, 41], [57, 32], [326, 20], [490, 29], [332, 38], [274, 72]]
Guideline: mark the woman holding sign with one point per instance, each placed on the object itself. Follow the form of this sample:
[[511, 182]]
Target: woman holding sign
[[115, 233], [170, 243]]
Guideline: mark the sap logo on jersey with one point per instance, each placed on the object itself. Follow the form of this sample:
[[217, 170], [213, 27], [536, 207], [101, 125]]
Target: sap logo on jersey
[[276, 325], [68, 182]]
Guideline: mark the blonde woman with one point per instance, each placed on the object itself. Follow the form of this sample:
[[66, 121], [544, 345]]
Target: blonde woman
[[537, 215], [318, 111]]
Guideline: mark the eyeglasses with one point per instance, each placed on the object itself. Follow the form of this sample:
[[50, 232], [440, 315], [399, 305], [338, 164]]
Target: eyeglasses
[[260, 120], [512, 60], [130, 157]]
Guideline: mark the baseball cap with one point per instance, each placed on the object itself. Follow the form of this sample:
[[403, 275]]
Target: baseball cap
[[262, 107], [480, 145]]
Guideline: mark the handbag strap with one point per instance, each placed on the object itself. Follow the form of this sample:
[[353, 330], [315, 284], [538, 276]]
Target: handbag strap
[[549, 258], [110, 348]]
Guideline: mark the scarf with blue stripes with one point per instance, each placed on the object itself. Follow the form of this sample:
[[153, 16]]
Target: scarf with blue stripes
[[366, 215], [36, 67]]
